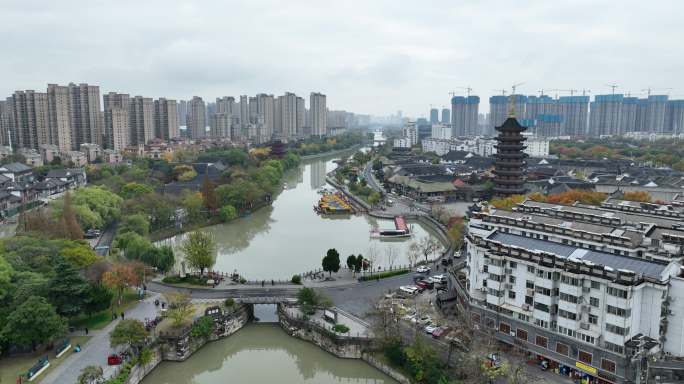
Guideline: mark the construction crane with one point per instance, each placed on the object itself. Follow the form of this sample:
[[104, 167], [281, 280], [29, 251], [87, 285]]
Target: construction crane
[[468, 90], [514, 86], [649, 89], [503, 91], [612, 87]]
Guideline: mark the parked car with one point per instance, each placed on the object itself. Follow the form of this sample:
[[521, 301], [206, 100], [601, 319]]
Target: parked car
[[92, 233], [439, 332], [114, 359], [423, 269], [408, 289], [425, 319], [430, 328], [441, 278], [425, 284]]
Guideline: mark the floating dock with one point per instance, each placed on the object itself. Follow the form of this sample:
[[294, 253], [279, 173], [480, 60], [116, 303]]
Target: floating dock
[[400, 230]]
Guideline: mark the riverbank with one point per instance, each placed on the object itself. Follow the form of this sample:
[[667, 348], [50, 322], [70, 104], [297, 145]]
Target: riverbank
[[332, 153]]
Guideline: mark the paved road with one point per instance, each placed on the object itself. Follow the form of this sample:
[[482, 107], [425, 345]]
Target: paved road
[[96, 350]]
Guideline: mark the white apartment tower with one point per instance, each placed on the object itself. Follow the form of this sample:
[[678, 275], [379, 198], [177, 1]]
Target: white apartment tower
[[59, 117], [117, 120], [85, 116], [30, 112], [141, 113], [165, 119], [319, 115]]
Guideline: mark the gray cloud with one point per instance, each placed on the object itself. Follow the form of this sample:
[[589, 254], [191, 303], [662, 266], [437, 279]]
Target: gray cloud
[[368, 56]]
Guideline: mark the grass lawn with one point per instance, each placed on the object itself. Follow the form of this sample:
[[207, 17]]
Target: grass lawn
[[101, 319], [11, 367]]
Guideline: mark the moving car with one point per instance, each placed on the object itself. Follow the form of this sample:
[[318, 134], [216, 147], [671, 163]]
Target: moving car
[[407, 289], [440, 278], [430, 328], [425, 284], [423, 269]]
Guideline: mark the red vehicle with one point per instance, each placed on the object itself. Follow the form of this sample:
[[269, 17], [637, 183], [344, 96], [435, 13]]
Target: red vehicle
[[424, 284], [439, 332], [114, 359]]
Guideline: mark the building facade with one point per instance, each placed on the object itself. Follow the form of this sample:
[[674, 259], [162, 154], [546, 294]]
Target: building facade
[[319, 114], [464, 112], [196, 124]]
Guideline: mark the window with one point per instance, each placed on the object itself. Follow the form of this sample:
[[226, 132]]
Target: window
[[570, 280], [617, 330], [513, 264], [524, 318], [511, 279], [475, 317], [567, 331], [511, 294], [614, 347], [486, 268], [505, 328], [530, 269], [593, 319], [541, 323], [543, 291], [594, 302], [540, 273], [529, 300], [586, 338], [608, 365], [617, 292], [541, 341], [529, 284], [595, 285], [567, 315], [568, 298], [521, 334], [617, 311], [584, 357], [562, 349], [494, 277], [490, 323], [541, 307]]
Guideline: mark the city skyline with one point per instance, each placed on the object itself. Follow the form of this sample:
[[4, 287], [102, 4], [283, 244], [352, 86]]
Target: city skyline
[[369, 56]]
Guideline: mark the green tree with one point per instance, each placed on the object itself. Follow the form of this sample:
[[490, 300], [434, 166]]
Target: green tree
[[202, 327], [193, 204], [6, 272], [162, 257], [180, 308], [228, 212], [33, 322], [374, 198], [136, 223], [351, 263], [91, 374], [26, 284], [131, 190], [200, 250], [67, 290], [331, 261], [144, 359], [209, 194], [99, 298], [79, 256], [130, 333]]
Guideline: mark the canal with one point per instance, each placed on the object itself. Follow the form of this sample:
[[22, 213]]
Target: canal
[[288, 237], [263, 353]]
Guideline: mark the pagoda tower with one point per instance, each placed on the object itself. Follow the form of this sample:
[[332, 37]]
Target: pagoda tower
[[509, 164]]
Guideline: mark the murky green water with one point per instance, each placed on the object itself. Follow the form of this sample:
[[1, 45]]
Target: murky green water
[[264, 354], [289, 237]]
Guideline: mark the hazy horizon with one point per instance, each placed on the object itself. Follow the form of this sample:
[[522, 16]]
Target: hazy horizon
[[376, 57]]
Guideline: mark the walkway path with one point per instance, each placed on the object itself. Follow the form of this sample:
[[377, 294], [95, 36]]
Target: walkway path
[[97, 349]]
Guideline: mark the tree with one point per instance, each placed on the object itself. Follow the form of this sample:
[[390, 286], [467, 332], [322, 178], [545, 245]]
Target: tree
[[228, 213], [162, 257], [392, 253], [33, 322], [99, 298], [209, 194], [200, 250], [455, 232], [639, 196], [428, 246], [71, 226], [131, 333], [351, 263], [119, 277], [136, 223], [192, 203], [358, 266], [79, 256], [6, 272], [91, 374], [202, 327], [374, 198], [331, 261], [131, 190], [67, 290], [412, 253], [372, 256], [144, 359], [180, 308], [307, 297], [507, 203]]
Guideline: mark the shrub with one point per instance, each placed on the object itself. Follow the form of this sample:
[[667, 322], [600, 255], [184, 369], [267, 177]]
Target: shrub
[[384, 275], [296, 279], [340, 328], [229, 302], [202, 327]]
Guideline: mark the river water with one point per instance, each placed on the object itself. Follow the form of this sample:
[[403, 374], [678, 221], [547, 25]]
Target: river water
[[263, 353], [288, 237]]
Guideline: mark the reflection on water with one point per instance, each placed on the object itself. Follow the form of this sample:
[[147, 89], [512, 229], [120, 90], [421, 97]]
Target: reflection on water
[[264, 354], [289, 237]]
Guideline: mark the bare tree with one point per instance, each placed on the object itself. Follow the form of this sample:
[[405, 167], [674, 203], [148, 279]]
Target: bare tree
[[372, 256], [413, 253], [392, 253], [428, 246]]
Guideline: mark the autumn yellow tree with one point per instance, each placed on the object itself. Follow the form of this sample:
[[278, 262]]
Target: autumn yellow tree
[[640, 196]]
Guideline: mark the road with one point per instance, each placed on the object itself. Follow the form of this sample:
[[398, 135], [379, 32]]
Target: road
[[96, 350], [238, 292]]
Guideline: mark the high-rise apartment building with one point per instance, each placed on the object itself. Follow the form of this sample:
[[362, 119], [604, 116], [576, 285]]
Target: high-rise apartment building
[[196, 123], [606, 115], [244, 110], [464, 111], [266, 111], [629, 114], [6, 121], [674, 117], [141, 112], [434, 115], [288, 115], [301, 117], [165, 119], [651, 114], [318, 111], [59, 117], [85, 115], [182, 112], [117, 120], [253, 110], [225, 104], [542, 115], [220, 124], [446, 116], [574, 110], [30, 118]]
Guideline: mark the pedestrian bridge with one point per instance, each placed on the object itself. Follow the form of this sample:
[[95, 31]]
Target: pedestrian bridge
[[266, 300]]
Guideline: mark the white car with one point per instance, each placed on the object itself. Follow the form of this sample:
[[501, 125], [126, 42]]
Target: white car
[[438, 279], [423, 269], [408, 289], [426, 319], [431, 328]]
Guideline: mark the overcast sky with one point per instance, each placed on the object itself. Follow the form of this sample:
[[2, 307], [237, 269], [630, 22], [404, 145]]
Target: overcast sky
[[370, 56]]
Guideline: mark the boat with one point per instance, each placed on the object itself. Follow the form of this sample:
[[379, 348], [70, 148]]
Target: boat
[[400, 230]]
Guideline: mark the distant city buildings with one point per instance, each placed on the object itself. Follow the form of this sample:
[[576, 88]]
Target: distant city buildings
[[434, 116], [464, 112]]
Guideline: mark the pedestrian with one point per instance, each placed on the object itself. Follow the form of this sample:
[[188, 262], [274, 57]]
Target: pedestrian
[[122, 315], [86, 331]]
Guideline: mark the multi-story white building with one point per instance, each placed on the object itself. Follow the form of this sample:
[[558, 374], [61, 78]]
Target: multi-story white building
[[91, 151], [441, 131], [165, 119], [30, 117], [411, 133], [577, 286], [319, 114], [59, 118], [141, 120]]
